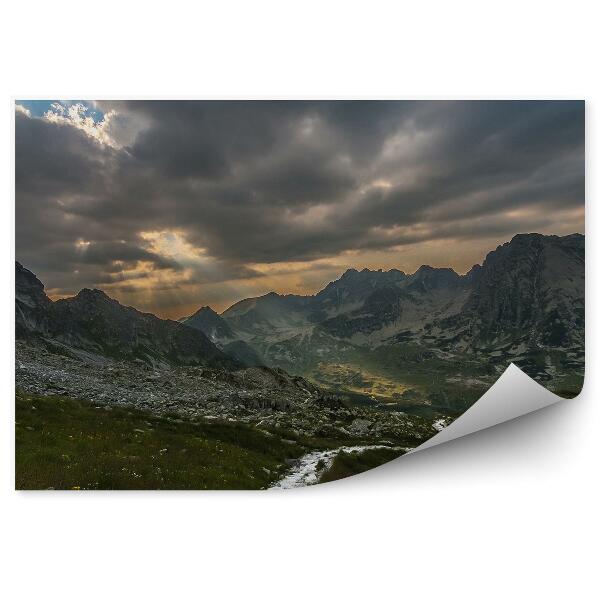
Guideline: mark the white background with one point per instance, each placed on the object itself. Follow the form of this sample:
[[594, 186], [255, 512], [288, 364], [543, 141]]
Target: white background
[[507, 513]]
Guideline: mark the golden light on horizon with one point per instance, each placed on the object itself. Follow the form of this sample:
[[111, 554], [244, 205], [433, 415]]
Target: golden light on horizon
[[173, 293]]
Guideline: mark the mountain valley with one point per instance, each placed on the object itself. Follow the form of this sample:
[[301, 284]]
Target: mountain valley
[[385, 333], [364, 370]]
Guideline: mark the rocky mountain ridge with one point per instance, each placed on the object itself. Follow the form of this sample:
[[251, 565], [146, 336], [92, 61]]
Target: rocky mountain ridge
[[379, 333], [93, 326], [526, 300]]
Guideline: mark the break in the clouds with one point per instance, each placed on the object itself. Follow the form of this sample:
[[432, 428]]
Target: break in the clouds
[[169, 205]]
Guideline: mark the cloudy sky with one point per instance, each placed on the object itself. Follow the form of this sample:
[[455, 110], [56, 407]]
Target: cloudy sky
[[168, 206]]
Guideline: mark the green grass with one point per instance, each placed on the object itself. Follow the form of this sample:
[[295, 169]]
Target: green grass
[[63, 443], [346, 464]]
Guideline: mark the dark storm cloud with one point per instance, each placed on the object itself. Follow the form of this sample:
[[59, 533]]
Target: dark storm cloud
[[54, 161], [205, 139], [287, 181]]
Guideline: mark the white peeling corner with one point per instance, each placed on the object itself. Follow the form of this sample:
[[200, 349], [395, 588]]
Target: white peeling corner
[[513, 395]]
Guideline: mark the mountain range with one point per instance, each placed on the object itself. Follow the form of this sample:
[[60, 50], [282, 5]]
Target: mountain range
[[382, 334], [529, 290], [524, 304]]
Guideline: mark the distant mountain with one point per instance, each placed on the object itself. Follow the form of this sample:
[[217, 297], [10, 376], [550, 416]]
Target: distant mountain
[[95, 326], [211, 324], [220, 333], [351, 290], [271, 312], [527, 297]]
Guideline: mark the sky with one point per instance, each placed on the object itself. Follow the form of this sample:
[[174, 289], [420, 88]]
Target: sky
[[172, 205]]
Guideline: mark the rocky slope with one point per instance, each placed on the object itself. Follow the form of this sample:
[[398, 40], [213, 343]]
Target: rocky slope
[[267, 398], [530, 290], [93, 326]]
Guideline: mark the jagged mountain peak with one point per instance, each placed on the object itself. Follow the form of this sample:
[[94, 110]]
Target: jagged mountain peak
[[473, 272], [427, 278], [203, 310], [534, 237], [214, 326], [31, 302], [524, 246], [273, 296], [349, 273], [221, 333], [352, 278], [94, 294], [424, 270], [20, 268], [97, 327], [27, 286], [204, 314]]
